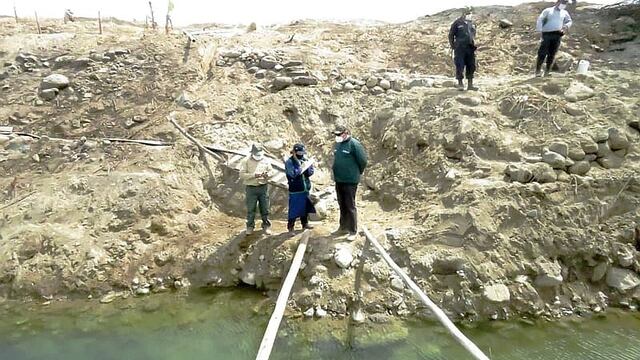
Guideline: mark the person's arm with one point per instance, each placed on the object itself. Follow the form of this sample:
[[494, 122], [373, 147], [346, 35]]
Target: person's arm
[[541, 19], [310, 171], [244, 171], [452, 33], [567, 22], [291, 170], [361, 157]]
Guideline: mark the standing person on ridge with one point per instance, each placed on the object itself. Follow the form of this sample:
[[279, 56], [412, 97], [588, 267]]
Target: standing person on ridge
[[462, 39], [349, 162], [298, 169], [255, 173], [553, 23]]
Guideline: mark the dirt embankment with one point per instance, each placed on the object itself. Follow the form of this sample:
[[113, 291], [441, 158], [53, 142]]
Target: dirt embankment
[[521, 198]]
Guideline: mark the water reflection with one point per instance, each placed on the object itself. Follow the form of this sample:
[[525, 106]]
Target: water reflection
[[229, 324]]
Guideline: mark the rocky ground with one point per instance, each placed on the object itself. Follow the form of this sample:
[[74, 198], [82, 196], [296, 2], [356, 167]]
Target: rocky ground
[[517, 200]]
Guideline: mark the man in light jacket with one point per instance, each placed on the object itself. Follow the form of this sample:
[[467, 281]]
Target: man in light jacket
[[553, 23], [255, 173]]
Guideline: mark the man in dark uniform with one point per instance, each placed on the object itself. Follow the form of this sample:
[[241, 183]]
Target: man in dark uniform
[[462, 40]]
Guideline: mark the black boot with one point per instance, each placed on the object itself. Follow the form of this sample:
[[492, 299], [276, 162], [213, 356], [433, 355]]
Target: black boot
[[471, 87], [460, 86]]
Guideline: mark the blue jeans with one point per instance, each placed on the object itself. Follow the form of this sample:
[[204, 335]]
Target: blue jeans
[[257, 195]]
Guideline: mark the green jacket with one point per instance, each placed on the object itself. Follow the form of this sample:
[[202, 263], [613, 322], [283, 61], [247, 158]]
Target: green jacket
[[349, 161]]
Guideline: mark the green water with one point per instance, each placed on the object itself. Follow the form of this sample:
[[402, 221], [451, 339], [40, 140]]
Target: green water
[[229, 325]]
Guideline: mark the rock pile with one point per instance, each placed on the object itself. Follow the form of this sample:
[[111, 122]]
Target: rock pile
[[606, 148], [381, 82], [282, 73]]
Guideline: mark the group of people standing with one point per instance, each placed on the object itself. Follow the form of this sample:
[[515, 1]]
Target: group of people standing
[[553, 23], [350, 158], [349, 163]]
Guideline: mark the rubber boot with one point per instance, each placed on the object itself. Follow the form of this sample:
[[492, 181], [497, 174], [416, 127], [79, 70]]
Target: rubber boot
[[471, 87], [460, 86]]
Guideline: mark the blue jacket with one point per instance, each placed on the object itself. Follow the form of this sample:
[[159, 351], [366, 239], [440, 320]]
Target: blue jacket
[[298, 180]]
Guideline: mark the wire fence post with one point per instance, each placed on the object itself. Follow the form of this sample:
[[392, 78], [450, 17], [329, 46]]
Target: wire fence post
[[38, 23]]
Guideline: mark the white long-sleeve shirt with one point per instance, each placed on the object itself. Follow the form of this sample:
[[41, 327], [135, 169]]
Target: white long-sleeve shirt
[[556, 20]]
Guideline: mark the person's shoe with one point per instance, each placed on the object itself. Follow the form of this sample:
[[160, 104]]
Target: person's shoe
[[248, 232], [339, 232], [291, 231], [267, 230], [307, 227], [471, 87], [547, 73], [352, 236], [460, 85], [539, 73]]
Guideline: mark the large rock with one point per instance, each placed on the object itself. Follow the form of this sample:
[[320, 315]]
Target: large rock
[[543, 173], [305, 80], [497, 293], [563, 62], [372, 82], [599, 271], [282, 82], [560, 148], [622, 279], [385, 84], [49, 94], [268, 62], [518, 174], [611, 161], [576, 153], [578, 92], [554, 159], [292, 63], [505, 24], [343, 256], [617, 139], [604, 149], [54, 81], [589, 146], [425, 82], [377, 90], [549, 273], [580, 168]]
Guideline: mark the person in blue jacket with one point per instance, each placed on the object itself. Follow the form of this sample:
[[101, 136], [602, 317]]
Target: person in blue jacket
[[299, 169]]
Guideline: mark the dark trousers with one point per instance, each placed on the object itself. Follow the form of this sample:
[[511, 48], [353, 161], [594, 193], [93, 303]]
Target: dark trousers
[[346, 194], [304, 220], [548, 49], [465, 59], [257, 196]]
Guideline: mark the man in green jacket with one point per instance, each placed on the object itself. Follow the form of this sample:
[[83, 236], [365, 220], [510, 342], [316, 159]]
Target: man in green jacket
[[349, 162]]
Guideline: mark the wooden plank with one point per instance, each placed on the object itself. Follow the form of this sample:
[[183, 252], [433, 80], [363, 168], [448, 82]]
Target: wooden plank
[[38, 23], [281, 303], [184, 132], [442, 317]]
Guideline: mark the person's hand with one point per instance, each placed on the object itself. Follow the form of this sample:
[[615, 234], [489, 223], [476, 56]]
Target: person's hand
[[265, 175]]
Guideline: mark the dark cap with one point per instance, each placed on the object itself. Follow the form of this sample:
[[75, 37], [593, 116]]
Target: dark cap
[[339, 130], [298, 148]]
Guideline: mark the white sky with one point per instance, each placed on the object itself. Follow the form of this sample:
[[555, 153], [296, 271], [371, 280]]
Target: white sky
[[246, 11]]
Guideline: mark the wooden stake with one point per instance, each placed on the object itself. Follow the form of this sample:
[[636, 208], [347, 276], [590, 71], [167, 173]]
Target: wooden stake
[[99, 23], [38, 23], [281, 303], [15, 13], [153, 19]]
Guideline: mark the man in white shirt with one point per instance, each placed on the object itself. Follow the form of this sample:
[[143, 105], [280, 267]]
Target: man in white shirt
[[553, 23]]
